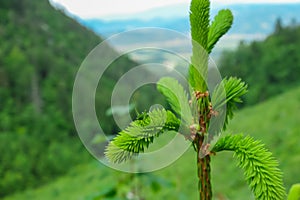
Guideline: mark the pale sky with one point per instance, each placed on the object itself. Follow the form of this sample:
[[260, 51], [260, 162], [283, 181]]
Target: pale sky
[[105, 8]]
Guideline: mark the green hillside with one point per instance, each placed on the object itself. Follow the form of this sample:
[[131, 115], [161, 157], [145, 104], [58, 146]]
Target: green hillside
[[41, 50], [275, 122]]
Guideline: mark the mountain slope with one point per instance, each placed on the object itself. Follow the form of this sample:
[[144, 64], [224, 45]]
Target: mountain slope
[[41, 50], [274, 122]]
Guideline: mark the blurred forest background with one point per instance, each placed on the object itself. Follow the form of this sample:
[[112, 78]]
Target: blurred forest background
[[41, 156]]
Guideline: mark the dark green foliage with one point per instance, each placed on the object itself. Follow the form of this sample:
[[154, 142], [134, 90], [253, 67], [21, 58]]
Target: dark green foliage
[[260, 167], [30, 155], [269, 67], [40, 52]]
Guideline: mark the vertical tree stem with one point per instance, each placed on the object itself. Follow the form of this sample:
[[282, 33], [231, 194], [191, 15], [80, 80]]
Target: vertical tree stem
[[203, 166]]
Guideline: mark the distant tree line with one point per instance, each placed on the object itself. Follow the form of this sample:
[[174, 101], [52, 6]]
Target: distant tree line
[[269, 66]]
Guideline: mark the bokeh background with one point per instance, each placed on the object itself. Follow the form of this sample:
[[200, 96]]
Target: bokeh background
[[42, 45]]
